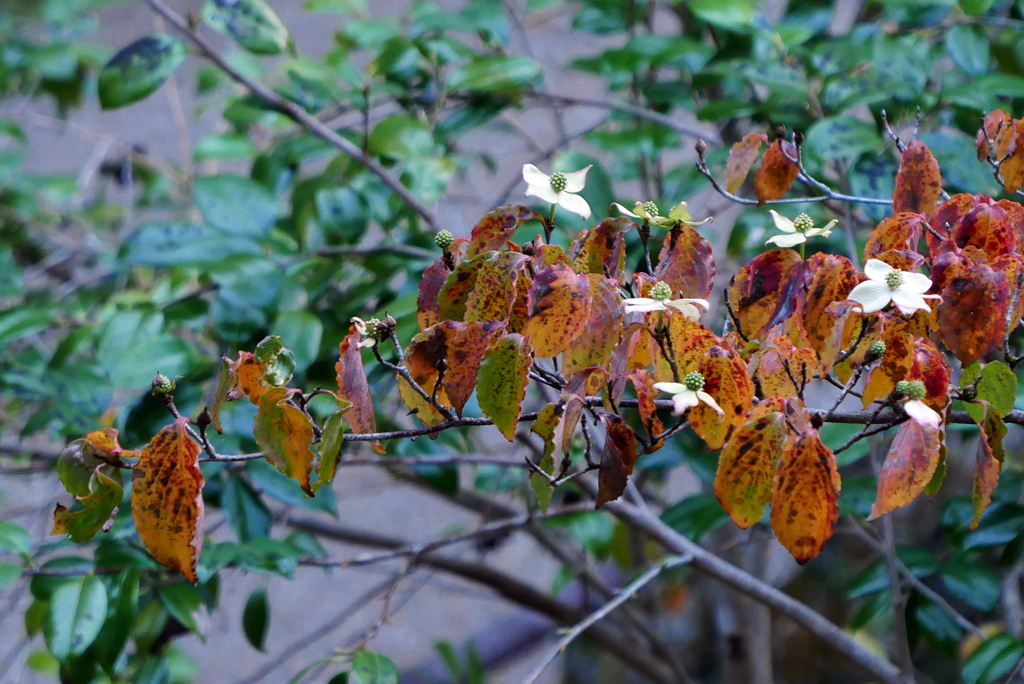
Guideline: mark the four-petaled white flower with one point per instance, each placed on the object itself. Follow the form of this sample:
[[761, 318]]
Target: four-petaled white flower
[[919, 411], [558, 188], [797, 231], [659, 301], [886, 284], [688, 393], [369, 331], [648, 211]]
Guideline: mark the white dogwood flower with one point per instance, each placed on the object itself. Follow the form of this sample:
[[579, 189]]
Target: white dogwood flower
[[558, 188], [919, 411], [659, 301], [886, 284], [688, 393], [797, 231], [648, 211]]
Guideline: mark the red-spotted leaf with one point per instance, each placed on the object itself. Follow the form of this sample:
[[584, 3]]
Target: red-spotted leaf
[[643, 383], [494, 292], [1011, 167], [426, 355], [746, 466], [559, 310], [742, 158], [726, 380], [167, 499], [601, 332], [95, 484], [931, 368], [805, 496], [900, 233], [972, 314], [548, 427], [465, 352], [617, 459], [501, 381], [908, 468], [428, 308], [767, 292], [918, 182], [496, 228], [989, 462], [946, 218], [776, 175], [285, 436], [988, 228], [601, 249], [353, 388], [686, 263]]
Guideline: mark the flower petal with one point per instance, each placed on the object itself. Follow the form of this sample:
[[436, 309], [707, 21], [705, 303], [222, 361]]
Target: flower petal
[[680, 212], [828, 226], [624, 211], [877, 270], [534, 176], [781, 222], [575, 181], [574, 203], [787, 240], [710, 401], [545, 192], [644, 307], [909, 302], [922, 413], [684, 400], [688, 311], [871, 296], [918, 283], [670, 387], [818, 232]]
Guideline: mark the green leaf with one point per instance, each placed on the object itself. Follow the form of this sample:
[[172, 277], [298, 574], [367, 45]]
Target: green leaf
[[695, 516], [997, 386], [167, 243], [244, 509], [335, 6], [301, 332], [727, 14], [840, 137], [968, 48], [501, 382], [972, 583], [331, 439], [223, 146], [277, 361], [372, 668], [14, 539], [75, 615], [401, 137], [184, 604], [976, 8], [496, 74], [139, 69], [921, 563], [23, 321], [992, 659], [43, 587], [9, 572], [235, 205], [256, 617], [250, 23], [120, 618]]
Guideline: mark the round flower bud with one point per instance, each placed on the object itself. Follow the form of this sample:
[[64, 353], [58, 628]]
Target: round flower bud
[[915, 390], [803, 223], [651, 208], [902, 388], [661, 291], [876, 350], [444, 239], [375, 329], [694, 381], [162, 384], [558, 181], [894, 279]]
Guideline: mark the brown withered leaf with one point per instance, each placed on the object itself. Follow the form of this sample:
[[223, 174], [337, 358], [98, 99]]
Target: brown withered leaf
[[918, 182], [972, 314], [805, 496], [686, 264], [990, 459], [496, 228], [746, 466], [559, 307], [767, 291], [428, 310], [353, 387], [617, 459], [601, 332], [742, 158], [726, 380], [285, 436], [776, 175], [167, 499], [465, 352], [908, 468], [601, 250]]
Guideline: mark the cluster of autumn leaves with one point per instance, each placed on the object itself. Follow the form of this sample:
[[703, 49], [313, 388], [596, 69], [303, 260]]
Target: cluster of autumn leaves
[[495, 316]]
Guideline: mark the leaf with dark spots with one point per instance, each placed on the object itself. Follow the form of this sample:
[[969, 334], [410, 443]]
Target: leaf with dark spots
[[427, 353], [686, 263], [918, 183], [602, 250], [496, 228], [765, 293], [285, 436], [354, 388], [805, 496], [617, 458], [777, 173], [687, 341], [1015, 213], [990, 457], [428, 308], [987, 227], [901, 232], [784, 369], [742, 158], [465, 352], [601, 332], [167, 499], [559, 308], [897, 360], [972, 314], [908, 468], [931, 368], [831, 278], [727, 381], [946, 218], [997, 127], [746, 466], [248, 372], [501, 381], [494, 292], [548, 255], [643, 382]]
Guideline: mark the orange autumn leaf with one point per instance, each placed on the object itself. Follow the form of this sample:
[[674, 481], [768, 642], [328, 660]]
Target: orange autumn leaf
[[805, 496], [167, 499], [465, 351], [900, 233], [285, 436], [918, 182], [987, 227], [908, 468], [726, 380], [603, 328], [559, 309], [784, 369], [617, 459], [897, 360], [686, 264], [742, 158], [764, 293], [601, 250], [495, 229], [998, 127], [643, 382], [989, 462], [746, 466], [831, 278], [494, 292], [687, 341], [353, 388], [972, 313], [424, 358], [248, 372], [777, 173]]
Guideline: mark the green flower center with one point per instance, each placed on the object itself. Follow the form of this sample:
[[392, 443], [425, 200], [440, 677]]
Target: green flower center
[[444, 239], [915, 390], [894, 279], [558, 181], [803, 223], [374, 329], [651, 208], [877, 349], [694, 381], [661, 291]]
